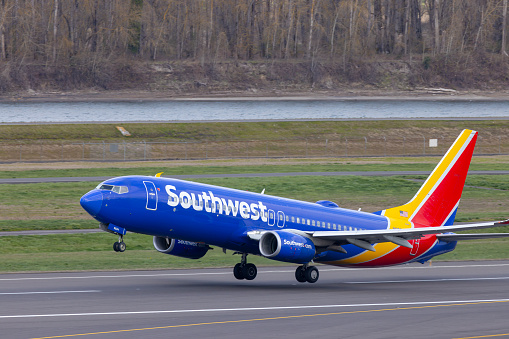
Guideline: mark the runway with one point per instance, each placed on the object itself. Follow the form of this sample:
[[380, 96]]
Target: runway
[[443, 300], [240, 175]]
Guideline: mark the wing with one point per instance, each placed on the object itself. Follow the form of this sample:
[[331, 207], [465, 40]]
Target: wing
[[366, 238]]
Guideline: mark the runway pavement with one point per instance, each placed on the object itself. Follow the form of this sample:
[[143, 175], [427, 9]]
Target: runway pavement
[[443, 300], [238, 175]]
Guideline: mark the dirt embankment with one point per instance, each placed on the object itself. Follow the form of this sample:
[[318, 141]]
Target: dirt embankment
[[124, 79]]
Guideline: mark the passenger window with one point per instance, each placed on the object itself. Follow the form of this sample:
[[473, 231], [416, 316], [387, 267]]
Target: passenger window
[[309, 222], [293, 219], [313, 223]]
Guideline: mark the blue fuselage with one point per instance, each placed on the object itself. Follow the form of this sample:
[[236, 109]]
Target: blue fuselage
[[215, 215]]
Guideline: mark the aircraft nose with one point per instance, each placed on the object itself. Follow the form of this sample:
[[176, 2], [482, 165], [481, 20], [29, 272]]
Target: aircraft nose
[[92, 202]]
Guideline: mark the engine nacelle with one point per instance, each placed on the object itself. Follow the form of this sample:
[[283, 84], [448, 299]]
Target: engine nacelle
[[286, 246], [180, 248]]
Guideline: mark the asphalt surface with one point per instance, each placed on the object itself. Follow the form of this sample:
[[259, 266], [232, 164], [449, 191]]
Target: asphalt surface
[[443, 300], [240, 175]]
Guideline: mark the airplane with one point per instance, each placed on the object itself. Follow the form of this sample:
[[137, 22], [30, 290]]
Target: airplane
[[186, 218]]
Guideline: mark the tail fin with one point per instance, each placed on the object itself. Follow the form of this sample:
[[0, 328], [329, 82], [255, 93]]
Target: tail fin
[[437, 200]]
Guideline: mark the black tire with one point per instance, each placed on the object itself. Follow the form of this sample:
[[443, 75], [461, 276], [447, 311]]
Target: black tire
[[312, 274], [249, 271], [300, 274], [237, 271], [121, 246], [115, 247]]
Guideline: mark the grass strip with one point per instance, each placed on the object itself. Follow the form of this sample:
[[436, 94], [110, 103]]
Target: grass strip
[[75, 252], [252, 130], [56, 205], [192, 170]]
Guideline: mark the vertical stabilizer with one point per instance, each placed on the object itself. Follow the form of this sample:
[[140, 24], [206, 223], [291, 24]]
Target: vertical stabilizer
[[436, 201]]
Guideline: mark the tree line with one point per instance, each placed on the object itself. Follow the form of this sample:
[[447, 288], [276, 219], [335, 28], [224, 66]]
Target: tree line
[[58, 31]]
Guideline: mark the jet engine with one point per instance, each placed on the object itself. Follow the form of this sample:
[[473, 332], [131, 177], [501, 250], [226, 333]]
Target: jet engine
[[287, 246], [180, 248]]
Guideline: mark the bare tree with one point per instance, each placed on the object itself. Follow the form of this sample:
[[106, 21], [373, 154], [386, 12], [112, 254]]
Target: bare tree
[[55, 30], [504, 23]]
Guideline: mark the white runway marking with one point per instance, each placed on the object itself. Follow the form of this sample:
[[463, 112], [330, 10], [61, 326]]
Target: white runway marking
[[48, 292], [244, 309], [228, 272], [422, 280]]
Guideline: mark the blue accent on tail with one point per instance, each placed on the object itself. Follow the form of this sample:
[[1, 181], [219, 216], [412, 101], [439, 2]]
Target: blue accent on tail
[[450, 221]]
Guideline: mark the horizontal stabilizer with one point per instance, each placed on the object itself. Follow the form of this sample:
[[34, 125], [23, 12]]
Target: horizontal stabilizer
[[473, 236], [398, 236]]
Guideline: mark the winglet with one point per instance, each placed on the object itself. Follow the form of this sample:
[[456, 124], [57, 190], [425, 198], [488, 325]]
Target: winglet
[[158, 174]]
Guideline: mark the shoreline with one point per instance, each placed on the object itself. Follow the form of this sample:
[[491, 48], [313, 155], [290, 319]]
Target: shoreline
[[248, 120], [425, 94]]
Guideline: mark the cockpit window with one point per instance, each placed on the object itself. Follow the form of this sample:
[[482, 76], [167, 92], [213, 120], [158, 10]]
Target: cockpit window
[[113, 188]]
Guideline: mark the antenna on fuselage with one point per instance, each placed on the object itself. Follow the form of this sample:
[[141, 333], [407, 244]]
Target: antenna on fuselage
[[263, 191]]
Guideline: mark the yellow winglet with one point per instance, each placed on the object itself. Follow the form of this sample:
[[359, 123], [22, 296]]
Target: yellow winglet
[[158, 174]]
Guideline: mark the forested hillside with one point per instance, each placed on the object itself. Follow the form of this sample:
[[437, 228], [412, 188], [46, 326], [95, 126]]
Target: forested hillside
[[222, 44]]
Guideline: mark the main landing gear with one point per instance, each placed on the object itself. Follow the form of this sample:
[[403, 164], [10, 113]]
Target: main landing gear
[[243, 270], [119, 246], [306, 273]]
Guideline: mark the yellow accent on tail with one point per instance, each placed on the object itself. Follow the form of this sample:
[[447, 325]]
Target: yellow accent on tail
[[440, 193]]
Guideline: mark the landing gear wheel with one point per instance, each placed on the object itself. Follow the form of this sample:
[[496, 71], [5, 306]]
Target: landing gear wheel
[[249, 271], [119, 246], [300, 274], [237, 271], [311, 274]]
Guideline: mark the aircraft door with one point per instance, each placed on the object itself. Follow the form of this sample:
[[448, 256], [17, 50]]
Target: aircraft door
[[272, 217], [151, 195], [280, 219]]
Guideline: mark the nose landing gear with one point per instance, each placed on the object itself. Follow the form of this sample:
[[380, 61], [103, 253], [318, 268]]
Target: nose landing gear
[[119, 246]]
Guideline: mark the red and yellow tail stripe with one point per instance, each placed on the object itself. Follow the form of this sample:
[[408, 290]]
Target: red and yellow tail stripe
[[437, 199], [434, 204]]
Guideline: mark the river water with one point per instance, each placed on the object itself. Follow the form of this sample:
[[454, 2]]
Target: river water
[[218, 110]]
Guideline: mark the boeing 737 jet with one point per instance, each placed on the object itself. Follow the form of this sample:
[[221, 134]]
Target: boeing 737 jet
[[185, 218]]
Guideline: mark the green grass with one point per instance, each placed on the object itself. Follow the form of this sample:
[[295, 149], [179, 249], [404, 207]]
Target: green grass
[[73, 252], [489, 249], [268, 130], [56, 205], [191, 170], [41, 206], [47, 224], [94, 252]]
